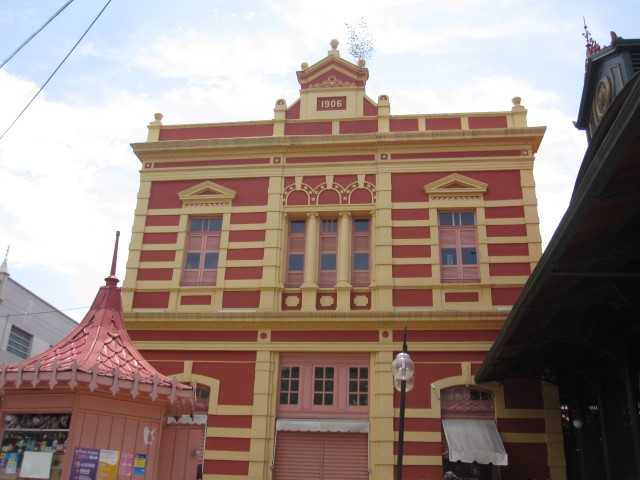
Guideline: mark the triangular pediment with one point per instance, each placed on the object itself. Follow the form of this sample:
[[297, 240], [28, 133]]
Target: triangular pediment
[[455, 186], [207, 193], [333, 72]]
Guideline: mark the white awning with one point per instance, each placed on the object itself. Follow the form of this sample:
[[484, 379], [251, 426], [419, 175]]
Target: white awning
[[474, 441], [322, 425]]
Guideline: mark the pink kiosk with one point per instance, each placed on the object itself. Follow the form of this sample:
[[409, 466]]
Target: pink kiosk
[[90, 407]]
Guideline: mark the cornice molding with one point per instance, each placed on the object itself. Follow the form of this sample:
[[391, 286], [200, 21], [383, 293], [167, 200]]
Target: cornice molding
[[261, 146]]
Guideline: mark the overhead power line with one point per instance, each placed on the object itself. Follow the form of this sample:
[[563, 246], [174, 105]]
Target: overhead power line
[[36, 32], [56, 70]]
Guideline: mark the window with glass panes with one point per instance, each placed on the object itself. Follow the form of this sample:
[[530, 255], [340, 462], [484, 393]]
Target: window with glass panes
[[202, 251], [360, 253], [289, 385], [323, 387], [328, 252], [358, 386], [457, 235], [19, 342], [295, 253]]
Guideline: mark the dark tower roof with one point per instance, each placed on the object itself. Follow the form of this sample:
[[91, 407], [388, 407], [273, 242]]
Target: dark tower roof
[[607, 71]]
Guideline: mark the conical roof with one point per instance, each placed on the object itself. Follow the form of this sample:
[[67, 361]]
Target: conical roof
[[99, 353]]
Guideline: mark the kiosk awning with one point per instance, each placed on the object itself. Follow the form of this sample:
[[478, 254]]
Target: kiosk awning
[[474, 441]]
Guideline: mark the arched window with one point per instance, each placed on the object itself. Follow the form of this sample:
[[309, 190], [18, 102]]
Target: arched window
[[471, 445]]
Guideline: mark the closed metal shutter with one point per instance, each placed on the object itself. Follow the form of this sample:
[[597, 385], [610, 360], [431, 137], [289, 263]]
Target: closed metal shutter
[[298, 456], [321, 456]]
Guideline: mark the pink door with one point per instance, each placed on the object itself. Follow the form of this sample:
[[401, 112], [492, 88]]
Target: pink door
[[181, 451]]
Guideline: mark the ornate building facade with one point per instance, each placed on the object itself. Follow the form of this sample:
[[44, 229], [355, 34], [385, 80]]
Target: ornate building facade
[[277, 262]]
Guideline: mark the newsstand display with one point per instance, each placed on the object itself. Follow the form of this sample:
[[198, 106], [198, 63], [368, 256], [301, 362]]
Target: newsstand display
[[33, 445]]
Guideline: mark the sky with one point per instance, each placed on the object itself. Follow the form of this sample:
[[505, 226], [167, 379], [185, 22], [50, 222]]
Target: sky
[[69, 178]]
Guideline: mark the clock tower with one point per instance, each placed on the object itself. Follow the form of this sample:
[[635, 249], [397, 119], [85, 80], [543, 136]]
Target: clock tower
[[607, 71]]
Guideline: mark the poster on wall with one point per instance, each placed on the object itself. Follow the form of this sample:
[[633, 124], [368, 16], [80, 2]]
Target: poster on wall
[[36, 465], [85, 464], [140, 464], [108, 465], [126, 464], [9, 462]]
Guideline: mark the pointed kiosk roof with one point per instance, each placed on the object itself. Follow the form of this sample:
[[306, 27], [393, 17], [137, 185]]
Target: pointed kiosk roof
[[100, 354]]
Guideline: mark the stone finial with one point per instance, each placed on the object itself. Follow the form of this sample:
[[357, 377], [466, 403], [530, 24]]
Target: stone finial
[[362, 63], [334, 48], [516, 103], [154, 128], [304, 66]]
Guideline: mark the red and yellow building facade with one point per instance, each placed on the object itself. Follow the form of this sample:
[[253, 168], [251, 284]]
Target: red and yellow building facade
[[276, 262]]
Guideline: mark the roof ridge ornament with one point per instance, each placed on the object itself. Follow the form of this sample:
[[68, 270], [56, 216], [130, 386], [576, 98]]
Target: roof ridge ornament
[[592, 46]]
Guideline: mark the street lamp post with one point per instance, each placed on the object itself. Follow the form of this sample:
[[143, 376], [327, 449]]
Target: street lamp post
[[403, 370]]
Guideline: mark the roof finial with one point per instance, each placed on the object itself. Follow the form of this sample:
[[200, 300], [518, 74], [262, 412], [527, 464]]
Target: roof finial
[[334, 48], [111, 279], [592, 46], [6, 255]]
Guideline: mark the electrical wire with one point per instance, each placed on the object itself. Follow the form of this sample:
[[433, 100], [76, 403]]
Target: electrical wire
[[36, 32], [56, 70]]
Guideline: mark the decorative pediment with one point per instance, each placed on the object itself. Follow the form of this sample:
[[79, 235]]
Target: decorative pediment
[[206, 193], [333, 72], [455, 186]]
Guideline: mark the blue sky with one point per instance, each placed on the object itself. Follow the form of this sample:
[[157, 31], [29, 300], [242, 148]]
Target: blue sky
[[68, 177]]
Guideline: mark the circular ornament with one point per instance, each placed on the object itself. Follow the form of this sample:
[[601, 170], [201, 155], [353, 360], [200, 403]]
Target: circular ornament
[[602, 98]]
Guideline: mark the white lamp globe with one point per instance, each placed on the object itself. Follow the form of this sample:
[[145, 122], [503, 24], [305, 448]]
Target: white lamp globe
[[403, 367]]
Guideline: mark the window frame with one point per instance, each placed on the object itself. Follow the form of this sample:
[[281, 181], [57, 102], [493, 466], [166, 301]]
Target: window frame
[[202, 276], [328, 249], [308, 383], [20, 342], [358, 239], [296, 246], [458, 242]]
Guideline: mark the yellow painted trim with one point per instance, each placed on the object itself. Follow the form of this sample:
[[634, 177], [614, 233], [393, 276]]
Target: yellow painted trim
[[313, 347], [226, 455]]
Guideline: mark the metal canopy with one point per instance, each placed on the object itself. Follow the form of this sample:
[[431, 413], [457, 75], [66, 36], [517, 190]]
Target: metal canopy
[[582, 301]]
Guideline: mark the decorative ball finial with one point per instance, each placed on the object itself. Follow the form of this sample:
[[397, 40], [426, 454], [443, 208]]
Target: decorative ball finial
[[304, 66], [158, 117], [334, 44], [516, 101]]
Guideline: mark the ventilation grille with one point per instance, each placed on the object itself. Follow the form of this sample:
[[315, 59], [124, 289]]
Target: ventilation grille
[[635, 62]]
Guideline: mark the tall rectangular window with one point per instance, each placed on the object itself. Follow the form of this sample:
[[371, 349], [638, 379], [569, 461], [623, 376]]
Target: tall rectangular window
[[323, 385], [202, 252], [458, 247], [360, 251], [289, 385], [328, 252], [19, 342], [295, 253], [358, 386]]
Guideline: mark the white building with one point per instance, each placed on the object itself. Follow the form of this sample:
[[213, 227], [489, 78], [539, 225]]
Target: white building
[[28, 324]]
